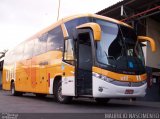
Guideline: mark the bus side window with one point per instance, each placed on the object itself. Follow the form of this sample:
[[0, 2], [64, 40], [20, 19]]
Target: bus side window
[[71, 25], [7, 58], [28, 49], [43, 43], [55, 39], [68, 53], [36, 47], [19, 52], [13, 55]]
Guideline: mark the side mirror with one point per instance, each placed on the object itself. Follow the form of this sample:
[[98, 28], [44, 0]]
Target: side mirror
[[152, 42], [95, 28]]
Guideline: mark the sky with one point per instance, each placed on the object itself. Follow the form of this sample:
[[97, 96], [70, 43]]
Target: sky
[[20, 19]]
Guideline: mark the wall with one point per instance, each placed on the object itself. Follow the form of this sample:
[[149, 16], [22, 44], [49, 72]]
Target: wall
[[153, 31]]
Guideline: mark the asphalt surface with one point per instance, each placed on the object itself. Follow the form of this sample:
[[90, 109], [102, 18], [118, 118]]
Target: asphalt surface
[[29, 106], [29, 103]]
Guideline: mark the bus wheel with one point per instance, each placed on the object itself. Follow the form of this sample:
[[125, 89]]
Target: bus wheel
[[58, 94], [13, 91], [102, 100]]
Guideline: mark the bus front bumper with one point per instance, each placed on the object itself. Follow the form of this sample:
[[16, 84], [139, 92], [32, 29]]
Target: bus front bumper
[[103, 89]]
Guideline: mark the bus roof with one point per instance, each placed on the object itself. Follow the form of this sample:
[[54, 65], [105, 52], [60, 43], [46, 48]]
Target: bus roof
[[63, 20], [96, 16]]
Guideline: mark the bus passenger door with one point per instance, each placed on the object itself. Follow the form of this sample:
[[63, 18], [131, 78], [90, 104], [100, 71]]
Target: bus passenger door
[[84, 62], [68, 79]]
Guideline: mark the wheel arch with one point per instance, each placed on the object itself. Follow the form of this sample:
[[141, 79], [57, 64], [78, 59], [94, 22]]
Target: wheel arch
[[55, 81]]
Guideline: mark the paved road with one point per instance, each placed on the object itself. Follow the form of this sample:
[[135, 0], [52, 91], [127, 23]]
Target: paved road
[[29, 106], [29, 103]]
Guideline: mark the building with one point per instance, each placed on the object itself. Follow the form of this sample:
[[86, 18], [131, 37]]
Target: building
[[144, 16]]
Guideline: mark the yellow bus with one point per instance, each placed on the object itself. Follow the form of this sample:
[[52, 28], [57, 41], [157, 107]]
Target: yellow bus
[[79, 56]]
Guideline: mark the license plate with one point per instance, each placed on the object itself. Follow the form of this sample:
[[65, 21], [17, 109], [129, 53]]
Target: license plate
[[129, 91]]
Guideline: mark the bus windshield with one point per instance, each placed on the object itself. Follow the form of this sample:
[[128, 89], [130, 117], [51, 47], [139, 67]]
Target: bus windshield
[[119, 48]]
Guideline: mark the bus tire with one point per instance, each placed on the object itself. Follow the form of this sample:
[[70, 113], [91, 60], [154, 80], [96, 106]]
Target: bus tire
[[102, 100], [58, 94], [13, 90]]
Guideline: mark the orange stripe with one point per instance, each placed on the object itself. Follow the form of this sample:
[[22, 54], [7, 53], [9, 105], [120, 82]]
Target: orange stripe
[[120, 77]]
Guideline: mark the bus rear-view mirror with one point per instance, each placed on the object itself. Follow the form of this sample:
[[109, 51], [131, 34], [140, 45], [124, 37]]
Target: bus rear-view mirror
[[95, 28], [150, 40]]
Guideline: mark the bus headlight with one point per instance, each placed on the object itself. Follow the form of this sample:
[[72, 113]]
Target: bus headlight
[[105, 78]]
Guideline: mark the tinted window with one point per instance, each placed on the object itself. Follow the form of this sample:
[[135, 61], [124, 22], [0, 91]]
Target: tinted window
[[68, 53], [42, 42], [71, 25], [55, 39], [7, 55], [19, 52], [28, 49], [10, 58], [13, 56], [36, 47]]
